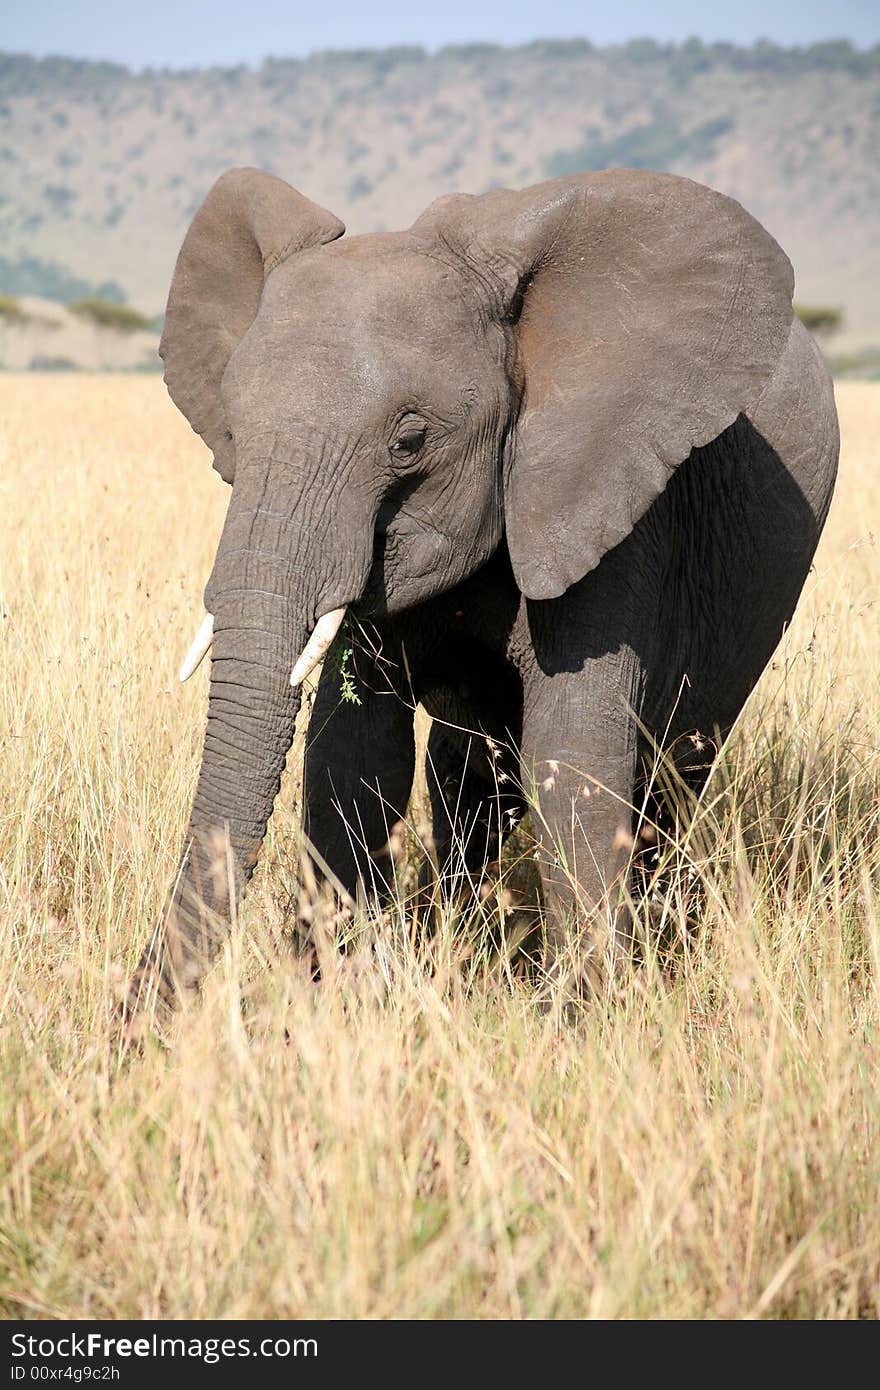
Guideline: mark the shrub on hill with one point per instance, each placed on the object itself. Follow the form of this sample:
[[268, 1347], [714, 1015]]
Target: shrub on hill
[[105, 314], [821, 319]]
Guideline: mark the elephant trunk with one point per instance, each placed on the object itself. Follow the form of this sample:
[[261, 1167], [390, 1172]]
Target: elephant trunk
[[276, 575]]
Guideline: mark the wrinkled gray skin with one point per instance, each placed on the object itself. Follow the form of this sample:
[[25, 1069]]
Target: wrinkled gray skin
[[565, 448]]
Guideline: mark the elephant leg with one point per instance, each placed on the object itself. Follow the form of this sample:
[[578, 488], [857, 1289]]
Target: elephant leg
[[579, 766], [475, 803], [359, 767]]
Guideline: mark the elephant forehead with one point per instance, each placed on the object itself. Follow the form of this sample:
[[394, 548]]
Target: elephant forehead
[[372, 289], [363, 333]]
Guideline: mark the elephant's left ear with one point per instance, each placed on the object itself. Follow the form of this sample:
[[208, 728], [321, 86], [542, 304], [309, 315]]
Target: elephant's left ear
[[649, 313]]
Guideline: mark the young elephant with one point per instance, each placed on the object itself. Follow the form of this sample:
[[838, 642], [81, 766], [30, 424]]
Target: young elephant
[[565, 450]]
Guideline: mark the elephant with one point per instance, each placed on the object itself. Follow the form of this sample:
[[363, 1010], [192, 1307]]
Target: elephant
[[565, 451]]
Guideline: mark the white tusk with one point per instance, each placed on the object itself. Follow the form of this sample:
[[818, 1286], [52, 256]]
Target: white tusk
[[315, 649], [200, 646]]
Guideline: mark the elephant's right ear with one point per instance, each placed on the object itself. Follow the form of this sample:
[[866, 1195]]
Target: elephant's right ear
[[249, 222]]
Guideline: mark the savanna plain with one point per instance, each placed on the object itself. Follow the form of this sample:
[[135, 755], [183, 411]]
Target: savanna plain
[[415, 1134]]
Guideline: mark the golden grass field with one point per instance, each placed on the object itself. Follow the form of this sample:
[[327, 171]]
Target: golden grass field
[[412, 1137]]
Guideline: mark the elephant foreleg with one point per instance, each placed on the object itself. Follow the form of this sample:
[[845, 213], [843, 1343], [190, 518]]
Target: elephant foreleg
[[579, 766], [475, 803], [359, 767]]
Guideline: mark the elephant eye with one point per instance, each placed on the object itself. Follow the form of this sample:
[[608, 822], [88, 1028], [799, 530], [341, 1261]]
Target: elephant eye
[[409, 442]]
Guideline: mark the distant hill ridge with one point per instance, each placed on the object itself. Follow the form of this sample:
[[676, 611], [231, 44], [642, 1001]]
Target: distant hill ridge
[[101, 168], [23, 73]]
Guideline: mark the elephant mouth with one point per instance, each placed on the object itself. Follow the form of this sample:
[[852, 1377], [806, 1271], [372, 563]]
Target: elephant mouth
[[408, 563], [391, 504]]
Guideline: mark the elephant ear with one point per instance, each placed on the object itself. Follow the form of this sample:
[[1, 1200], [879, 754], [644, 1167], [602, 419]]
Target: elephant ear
[[649, 313], [249, 222]]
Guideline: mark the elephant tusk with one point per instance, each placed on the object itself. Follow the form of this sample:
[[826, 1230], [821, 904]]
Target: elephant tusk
[[315, 649], [200, 645]]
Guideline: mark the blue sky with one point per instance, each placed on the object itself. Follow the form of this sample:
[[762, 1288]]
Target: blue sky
[[185, 33]]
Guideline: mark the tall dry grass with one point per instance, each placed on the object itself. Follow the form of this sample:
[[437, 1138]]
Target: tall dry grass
[[413, 1136]]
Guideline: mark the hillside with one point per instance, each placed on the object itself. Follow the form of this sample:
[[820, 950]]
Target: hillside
[[41, 334], [101, 168]]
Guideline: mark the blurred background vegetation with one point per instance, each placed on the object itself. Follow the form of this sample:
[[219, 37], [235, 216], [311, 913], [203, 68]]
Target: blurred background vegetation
[[102, 168]]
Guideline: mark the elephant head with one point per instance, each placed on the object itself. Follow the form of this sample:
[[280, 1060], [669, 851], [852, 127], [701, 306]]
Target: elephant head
[[386, 408]]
